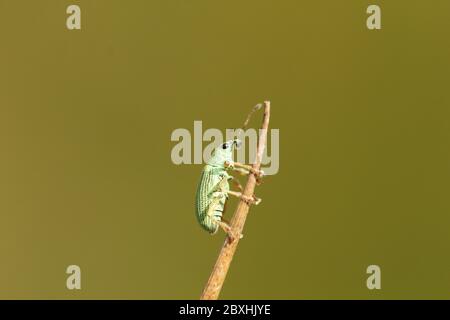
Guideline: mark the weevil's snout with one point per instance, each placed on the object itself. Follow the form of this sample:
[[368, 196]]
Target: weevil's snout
[[237, 143]]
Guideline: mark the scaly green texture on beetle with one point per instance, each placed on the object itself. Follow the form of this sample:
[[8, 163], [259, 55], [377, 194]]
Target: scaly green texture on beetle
[[213, 189]]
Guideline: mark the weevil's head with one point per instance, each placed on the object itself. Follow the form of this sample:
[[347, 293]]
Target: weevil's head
[[224, 152]]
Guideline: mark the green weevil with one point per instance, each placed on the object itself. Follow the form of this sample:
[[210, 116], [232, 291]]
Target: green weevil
[[213, 189]]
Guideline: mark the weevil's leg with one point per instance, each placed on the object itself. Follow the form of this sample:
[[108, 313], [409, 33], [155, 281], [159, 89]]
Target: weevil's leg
[[216, 197], [237, 194], [244, 168], [219, 187], [224, 208], [225, 226], [234, 233], [241, 171], [212, 207], [229, 231], [249, 169], [256, 200], [249, 200], [222, 223], [236, 183]]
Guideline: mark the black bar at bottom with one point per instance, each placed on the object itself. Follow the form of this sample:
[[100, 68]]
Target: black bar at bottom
[[226, 309]]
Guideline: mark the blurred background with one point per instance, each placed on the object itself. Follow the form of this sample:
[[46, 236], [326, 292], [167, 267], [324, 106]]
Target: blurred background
[[86, 176]]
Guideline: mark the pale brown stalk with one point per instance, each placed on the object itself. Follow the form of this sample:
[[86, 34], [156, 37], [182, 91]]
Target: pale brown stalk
[[220, 269]]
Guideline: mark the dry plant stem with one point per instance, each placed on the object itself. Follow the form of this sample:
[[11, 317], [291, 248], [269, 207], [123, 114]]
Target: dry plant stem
[[219, 272]]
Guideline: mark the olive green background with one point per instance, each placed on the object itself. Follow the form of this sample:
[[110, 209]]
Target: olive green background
[[86, 176]]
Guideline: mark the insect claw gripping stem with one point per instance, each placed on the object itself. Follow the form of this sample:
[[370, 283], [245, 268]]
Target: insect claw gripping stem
[[232, 235], [257, 200], [251, 200]]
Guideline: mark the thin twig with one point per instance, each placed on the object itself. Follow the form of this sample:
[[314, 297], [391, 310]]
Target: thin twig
[[219, 272]]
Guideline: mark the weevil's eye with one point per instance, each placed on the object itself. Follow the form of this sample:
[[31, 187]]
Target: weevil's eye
[[225, 146]]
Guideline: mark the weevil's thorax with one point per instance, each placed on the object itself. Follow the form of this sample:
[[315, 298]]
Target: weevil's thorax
[[223, 153], [218, 159], [214, 173]]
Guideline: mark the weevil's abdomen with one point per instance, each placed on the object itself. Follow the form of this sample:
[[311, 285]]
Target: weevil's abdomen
[[209, 179]]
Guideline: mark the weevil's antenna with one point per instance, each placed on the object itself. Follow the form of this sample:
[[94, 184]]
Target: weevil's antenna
[[239, 131], [255, 108]]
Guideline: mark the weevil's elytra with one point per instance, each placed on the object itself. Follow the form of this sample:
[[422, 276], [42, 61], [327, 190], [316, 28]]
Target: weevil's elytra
[[212, 188]]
